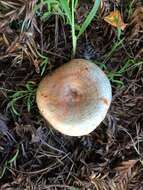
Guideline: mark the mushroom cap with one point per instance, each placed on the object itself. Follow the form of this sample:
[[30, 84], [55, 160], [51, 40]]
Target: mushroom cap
[[75, 98]]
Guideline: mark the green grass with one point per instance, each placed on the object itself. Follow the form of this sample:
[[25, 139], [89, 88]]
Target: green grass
[[115, 76], [44, 63], [25, 96], [115, 47], [66, 9], [130, 7], [8, 163], [128, 65]]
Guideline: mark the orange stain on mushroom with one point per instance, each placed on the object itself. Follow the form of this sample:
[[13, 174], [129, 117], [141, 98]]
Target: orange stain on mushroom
[[44, 95], [105, 101]]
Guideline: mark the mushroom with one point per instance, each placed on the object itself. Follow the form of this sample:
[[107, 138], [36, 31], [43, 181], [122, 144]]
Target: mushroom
[[75, 98]]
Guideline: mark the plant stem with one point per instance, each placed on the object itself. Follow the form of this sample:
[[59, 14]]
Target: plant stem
[[74, 38]]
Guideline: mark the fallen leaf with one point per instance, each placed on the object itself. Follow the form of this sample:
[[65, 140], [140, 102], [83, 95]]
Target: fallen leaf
[[99, 182], [124, 174], [115, 19]]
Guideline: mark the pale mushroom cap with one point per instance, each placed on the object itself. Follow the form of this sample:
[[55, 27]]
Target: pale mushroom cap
[[75, 98]]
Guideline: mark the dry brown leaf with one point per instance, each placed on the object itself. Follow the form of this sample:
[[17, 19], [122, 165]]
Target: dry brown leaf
[[137, 22], [136, 32], [138, 17], [124, 174], [106, 6], [19, 42], [99, 182], [140, 54], [115, 19]]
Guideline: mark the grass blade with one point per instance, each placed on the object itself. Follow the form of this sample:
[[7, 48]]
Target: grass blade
[[14, 157], [66, 9], [75, 4], [89, 17]]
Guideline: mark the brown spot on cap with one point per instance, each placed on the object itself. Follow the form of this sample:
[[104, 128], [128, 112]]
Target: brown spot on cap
[[44, 95], [105, 101]]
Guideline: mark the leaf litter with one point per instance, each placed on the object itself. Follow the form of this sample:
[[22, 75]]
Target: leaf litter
[[40, 157]]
